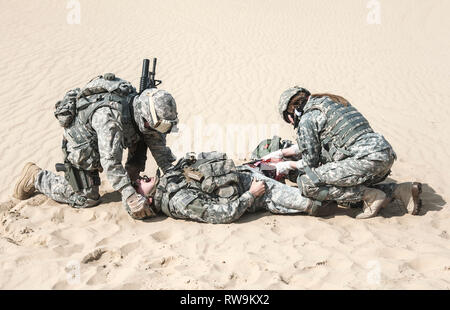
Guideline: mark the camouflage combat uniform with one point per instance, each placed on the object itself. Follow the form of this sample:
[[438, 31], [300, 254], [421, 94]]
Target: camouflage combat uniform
[[95, 143], [341, 154], [182, 200]]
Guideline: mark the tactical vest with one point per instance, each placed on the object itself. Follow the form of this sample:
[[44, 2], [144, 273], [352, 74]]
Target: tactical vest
[[210, 176], [344, 126], [75, 112]]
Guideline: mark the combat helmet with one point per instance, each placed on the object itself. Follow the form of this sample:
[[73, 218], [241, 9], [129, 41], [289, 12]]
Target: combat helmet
[[286, 96], [155, 109]]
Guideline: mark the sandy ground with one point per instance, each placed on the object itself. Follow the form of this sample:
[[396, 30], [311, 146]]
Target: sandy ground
[[226, 63]]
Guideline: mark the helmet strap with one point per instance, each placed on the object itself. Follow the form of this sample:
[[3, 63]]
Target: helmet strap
[[153, 111]]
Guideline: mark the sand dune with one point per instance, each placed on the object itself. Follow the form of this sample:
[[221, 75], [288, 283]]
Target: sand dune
[[226, 63]]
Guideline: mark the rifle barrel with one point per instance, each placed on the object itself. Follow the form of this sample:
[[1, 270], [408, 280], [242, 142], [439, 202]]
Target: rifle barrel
[[144, 77], [154, 66]]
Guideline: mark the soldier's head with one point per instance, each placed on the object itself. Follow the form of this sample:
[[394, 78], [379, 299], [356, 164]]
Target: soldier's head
[[291, 104], [155, 109]]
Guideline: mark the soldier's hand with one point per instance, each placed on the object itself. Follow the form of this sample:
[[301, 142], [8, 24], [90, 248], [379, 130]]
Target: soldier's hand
[[138, 207], [274, 155], [283, 167], [257, 188]]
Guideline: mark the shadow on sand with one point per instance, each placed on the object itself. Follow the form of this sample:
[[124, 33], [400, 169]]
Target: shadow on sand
[[111, 197], [431, 201]]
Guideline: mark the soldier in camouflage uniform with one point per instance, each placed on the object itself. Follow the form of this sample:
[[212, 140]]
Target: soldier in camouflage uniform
[[342, 157], [236, 190], [100, 121]]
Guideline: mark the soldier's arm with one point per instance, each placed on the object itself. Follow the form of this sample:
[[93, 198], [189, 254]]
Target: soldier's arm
[[210, 211], [137, 156], [156, 142], [311, 124], [106, 123]]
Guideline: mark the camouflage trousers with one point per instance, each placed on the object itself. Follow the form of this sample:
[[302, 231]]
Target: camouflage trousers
[[346, 180], [279, 198], [57, 188]]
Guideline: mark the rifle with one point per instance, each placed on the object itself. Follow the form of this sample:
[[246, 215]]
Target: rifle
[[148, 77]]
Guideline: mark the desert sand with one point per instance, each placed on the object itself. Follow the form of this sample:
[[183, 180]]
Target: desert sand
[[226, 63]]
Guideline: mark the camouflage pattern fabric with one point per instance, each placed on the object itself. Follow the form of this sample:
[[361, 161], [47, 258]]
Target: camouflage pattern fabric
[[57, 188], [310, 136], [193, 204], [155, 141], [96, 142], [108, 126], [343, 177], [286, 97], [279, 198], [165, 107], [346, 180]]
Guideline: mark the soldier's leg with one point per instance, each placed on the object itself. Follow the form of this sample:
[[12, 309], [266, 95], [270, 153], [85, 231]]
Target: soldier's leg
[[57, 188], [342, 181], [281, 198]]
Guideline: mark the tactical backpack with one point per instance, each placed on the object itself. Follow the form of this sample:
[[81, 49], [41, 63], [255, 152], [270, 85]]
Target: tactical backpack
[[267, 146], [74, 113], [100, 89], [211, 176]]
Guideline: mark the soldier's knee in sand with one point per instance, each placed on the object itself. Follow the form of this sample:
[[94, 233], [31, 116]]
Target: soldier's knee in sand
[[59, 189], [312, 187]]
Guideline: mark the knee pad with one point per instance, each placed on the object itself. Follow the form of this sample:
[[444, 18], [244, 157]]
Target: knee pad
[[312, 190]]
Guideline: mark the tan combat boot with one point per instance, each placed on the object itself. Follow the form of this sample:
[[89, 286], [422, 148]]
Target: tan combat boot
[[373, 200], [409, 194], [25, 186]]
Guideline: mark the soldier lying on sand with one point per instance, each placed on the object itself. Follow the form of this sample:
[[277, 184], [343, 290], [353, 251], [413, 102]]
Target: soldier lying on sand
[[211, 189]]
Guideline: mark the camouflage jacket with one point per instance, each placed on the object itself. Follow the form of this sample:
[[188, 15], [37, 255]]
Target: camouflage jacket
[[310, 138], [188, 202], [156, 142], [108, 137]]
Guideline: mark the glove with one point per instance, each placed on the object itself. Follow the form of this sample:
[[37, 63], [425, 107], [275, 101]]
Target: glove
[[283, 167], [295, 149], [276, 155], [300, 165], [138, 207]]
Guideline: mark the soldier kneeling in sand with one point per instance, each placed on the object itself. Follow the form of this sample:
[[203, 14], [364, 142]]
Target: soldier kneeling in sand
[[99, 121], [343, 159]]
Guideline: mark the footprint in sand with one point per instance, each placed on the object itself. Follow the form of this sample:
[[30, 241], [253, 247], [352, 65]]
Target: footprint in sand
[[161, 235], [6, 206], [94, 255], [58, 216], [162, 262], [37, 200], [130, 247]]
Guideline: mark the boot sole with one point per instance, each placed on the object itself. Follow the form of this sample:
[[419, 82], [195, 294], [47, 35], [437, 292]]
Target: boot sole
[[20, 183], [416, 192]]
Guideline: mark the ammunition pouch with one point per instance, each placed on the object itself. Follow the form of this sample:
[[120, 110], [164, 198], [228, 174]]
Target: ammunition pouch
[[79, 179]]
